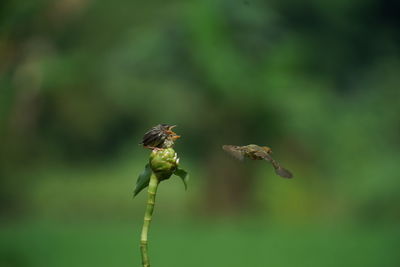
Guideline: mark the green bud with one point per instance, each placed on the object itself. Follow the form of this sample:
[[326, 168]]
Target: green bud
[[163, 162]]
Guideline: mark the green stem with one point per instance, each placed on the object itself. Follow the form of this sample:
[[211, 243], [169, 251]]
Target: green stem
[[152, 191]]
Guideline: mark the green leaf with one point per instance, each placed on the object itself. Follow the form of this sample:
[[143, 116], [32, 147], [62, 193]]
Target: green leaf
[[143, 180], [183, 175]]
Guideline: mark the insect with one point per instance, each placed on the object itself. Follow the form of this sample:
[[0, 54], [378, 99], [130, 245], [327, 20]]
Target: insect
[[160, 136], [256, 152]]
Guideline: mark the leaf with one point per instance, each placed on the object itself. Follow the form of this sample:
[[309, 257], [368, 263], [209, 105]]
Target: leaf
[[183, 175], [143, 180]]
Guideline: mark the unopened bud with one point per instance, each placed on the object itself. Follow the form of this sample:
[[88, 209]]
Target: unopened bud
[[163, 162]]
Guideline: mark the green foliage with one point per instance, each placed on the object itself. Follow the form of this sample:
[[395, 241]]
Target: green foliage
[[183, 175], [316, 81], [164, 163], [143, 180], [104, 244]]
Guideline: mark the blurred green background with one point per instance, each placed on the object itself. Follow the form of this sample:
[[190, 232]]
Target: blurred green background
[[318, 81]]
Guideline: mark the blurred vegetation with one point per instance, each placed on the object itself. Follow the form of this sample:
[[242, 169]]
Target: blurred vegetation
[[81, 81]]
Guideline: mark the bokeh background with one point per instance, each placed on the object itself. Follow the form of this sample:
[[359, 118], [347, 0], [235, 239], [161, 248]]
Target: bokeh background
[[318, 81]]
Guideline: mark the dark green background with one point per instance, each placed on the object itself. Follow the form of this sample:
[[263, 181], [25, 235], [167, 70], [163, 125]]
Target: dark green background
[[318, 81]]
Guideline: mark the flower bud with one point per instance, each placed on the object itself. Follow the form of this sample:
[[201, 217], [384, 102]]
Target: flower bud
[[163, 162]]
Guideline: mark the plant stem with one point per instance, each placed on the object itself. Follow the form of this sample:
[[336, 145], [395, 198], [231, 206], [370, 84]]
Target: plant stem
[[152, 191]]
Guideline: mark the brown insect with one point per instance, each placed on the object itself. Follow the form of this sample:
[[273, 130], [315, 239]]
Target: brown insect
[[256, 152]]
